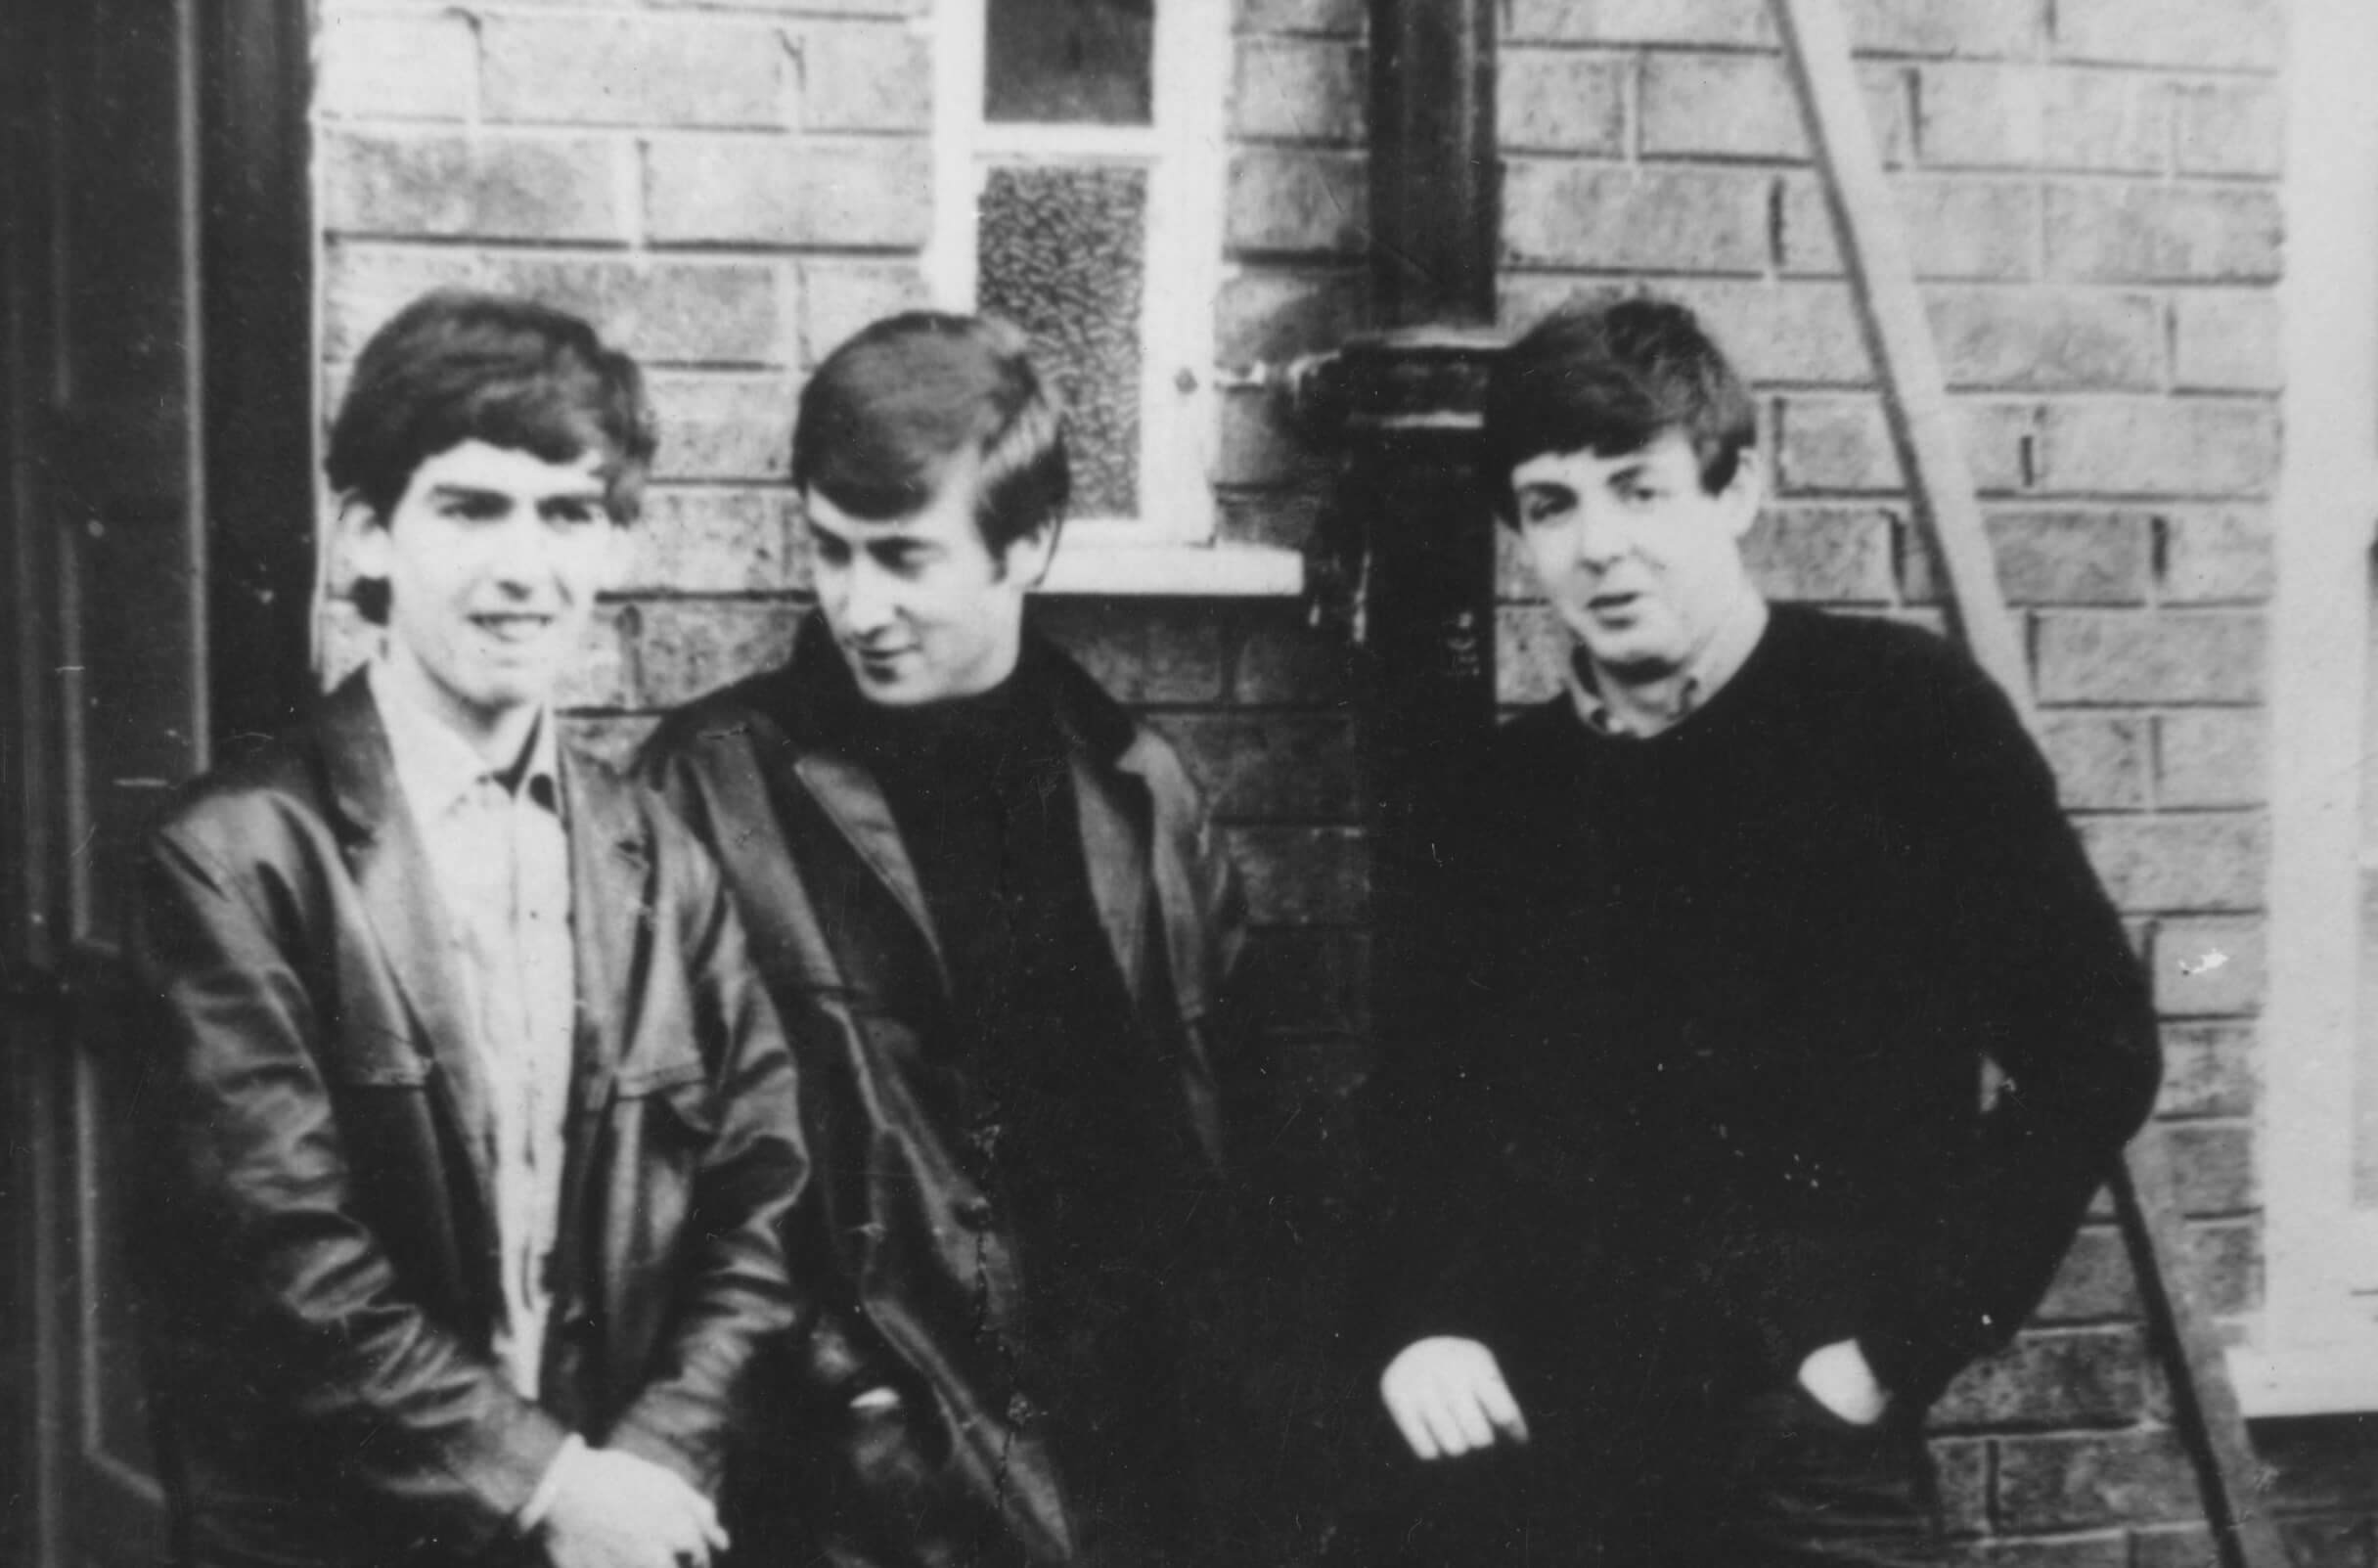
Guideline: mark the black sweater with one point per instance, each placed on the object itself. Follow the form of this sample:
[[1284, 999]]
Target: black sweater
[[1711, 1061]]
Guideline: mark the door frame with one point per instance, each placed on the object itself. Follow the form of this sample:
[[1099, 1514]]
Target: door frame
[[246, 90]]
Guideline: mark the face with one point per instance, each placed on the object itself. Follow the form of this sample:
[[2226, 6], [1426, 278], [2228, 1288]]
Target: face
[[493, 558], [1641, 562], [922, 608]]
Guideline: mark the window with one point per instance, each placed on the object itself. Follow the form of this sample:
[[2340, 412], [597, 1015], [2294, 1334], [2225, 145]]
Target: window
[[1079, 165]]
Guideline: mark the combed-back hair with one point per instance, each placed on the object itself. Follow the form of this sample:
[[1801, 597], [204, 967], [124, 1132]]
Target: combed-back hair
[[457, 365], [1610, 374], [884, 415]]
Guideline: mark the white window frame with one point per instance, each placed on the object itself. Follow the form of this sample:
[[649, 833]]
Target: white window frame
[[2314, 1346], [1171, 548]]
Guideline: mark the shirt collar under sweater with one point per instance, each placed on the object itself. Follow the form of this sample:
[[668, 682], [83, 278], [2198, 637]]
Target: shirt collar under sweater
[[1719, 661]]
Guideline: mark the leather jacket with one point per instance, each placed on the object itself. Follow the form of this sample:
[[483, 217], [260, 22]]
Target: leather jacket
[[934, 1458], [315, 1223]]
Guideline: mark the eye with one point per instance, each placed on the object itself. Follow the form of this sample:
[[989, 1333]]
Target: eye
[[828, 550], [574, 513], [473, 506], [1537, 508]]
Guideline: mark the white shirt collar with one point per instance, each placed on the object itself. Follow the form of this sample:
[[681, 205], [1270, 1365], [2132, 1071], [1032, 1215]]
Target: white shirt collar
[[434, 766], [1720, 659]]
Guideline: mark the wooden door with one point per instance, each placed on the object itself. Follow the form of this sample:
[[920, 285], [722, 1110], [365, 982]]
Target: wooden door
[[156, 441]]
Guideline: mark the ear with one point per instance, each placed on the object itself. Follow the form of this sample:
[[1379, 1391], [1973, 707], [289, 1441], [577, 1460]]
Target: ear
[[1744, 493], [1029, 554], [363, 537]]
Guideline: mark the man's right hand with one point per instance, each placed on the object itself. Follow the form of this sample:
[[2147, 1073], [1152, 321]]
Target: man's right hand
[[615, 1510], [1448, 1397]]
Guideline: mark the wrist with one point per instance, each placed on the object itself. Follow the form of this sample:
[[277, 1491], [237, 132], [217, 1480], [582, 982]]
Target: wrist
[[540, 1504]]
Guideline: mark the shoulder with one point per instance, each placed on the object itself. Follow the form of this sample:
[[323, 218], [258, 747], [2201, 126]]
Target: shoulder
[[264, 803], [1871, 673], [721, 720]]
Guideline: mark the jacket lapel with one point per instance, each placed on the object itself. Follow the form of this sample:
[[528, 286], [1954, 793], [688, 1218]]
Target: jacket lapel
[[391, 871], [854, 803]]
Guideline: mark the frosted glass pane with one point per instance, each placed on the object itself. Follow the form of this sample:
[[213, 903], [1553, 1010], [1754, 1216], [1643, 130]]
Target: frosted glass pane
[[1062, 253], [1070, 62]]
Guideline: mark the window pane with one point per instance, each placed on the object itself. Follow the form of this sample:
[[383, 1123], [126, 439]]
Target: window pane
[[1062, 255], [1070, 62]]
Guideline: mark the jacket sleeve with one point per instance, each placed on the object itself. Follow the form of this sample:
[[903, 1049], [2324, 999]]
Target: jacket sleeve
[[248, 1161], [2046, 983], [736, 1293]]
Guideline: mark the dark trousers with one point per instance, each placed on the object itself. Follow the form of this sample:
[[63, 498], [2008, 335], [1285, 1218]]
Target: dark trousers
[[1769, 1480]]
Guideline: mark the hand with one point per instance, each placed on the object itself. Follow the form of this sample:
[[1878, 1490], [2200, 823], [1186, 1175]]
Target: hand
[[1448, 1397], [615, 1510], [1837, 1377]]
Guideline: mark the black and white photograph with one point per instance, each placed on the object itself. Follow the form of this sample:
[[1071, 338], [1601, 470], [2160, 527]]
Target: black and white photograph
[[1189, 784]]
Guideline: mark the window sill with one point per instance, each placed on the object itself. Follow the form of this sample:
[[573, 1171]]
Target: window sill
[[1179, 571], [2329, 1380]]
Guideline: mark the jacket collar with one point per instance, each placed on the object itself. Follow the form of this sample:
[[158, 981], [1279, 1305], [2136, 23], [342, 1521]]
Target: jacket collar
[[809, 694]]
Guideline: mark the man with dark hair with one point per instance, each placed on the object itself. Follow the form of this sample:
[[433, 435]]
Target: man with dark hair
[[999, 896], [1705, 1202], [469, 1139]]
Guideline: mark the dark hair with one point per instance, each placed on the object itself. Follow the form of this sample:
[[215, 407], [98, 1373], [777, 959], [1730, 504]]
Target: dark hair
[[1609, 374], [458, 365], [882, 418]]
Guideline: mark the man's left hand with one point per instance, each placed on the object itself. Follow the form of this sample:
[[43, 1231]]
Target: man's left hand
[[1837, 1377]]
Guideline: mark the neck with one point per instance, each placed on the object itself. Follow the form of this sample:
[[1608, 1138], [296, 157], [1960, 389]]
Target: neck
[[496, 736], [1647, 701]]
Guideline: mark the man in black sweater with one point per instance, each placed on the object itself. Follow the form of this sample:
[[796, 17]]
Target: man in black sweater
[[1708, 1201]]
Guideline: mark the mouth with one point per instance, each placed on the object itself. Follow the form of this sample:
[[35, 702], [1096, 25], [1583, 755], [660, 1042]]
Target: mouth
[[880, 661], [514, 627], [1607, 604]]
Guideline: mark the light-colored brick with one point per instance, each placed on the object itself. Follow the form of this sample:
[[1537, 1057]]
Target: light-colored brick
[[883, 8], [596, 70], [2048, 339], [1743, 105], [723, 427], [2055, 557], [1843, 444], [2226, 341], [1961, 1472], [1830, 554], [1956, 227], [2214, 1163], [2076, 1482], [2207, 968], [2163, 233], [715, 541], [363, 284], [2229, 128], [2211, 757], [682, 647], [2224, 1259], [2209, 1066], [1800, 334], [1948, 26], [2093, 1282], [838, 297], [1560, 100], [1298, 90], [1740, 22], [2144, 447], [396, 67], [2221, 555], [1271, 314], [2218, 34], [661, 312], [1561, 213], [2101, 762], [2040, 117], [599, 677], [752, 190], [487, 187], [865, 76], [2129, 656], [1297, 200], [2192, 864]]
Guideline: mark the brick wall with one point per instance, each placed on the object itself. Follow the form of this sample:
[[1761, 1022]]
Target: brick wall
[[2089, 189]]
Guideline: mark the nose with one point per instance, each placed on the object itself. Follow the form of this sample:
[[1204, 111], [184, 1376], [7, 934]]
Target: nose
[[1603, 535], [868, 595], [523, 557]]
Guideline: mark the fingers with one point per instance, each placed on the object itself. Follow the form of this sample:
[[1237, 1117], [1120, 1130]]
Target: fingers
[[1448, 1398]]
